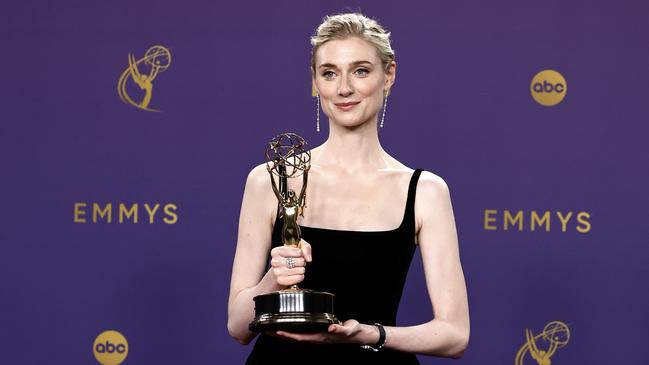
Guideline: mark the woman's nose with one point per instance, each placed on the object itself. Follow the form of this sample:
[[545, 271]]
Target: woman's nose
[[345, 88]]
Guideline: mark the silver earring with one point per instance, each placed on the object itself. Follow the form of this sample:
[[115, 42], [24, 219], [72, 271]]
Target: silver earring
[[317, 112], [385, 103]]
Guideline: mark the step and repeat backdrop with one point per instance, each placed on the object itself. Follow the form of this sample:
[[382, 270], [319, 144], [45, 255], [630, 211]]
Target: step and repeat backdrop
[[128, 130]]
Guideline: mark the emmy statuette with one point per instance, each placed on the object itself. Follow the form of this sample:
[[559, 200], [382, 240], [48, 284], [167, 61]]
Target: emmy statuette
[[292, 309]]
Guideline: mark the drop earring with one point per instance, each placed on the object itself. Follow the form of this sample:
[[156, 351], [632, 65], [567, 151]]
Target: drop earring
[[385, 103], [317, 113], [314, 93]]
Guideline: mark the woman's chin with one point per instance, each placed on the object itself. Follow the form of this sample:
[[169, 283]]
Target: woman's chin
[[350, 126], [350, 123]]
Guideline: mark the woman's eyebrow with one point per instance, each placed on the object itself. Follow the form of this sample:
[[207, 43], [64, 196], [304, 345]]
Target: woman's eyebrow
[[355, 63]]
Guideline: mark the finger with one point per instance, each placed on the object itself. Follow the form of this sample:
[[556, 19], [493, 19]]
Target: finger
[[281, 262], [310, 337], [285, 271], [290, 280], [289, 335], [285, 335], [285, 251], [306, 250], [338, 329]]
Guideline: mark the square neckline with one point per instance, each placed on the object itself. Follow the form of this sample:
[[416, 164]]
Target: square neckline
[[401, 225], [350, 231]]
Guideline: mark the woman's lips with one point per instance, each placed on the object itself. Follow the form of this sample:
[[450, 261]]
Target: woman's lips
[[346, 106]]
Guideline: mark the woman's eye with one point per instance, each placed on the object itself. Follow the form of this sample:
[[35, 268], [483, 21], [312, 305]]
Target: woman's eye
[[328, 74], [362, 72]]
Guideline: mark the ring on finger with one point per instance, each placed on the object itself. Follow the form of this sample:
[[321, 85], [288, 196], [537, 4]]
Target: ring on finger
[[290, 262]]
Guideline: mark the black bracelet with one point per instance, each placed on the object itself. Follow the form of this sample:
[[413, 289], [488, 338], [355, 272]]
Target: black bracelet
[[379, 345]]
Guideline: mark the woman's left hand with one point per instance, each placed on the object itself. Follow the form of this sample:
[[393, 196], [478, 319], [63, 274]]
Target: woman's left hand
[[349, 332]]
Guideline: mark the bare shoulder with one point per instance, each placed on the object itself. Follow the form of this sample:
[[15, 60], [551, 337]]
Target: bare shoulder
[[431, 185], [258, 178], [258, 195], [433, 200]]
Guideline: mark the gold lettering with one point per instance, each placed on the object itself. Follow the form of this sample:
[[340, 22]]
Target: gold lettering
[[586, 223], [535, 219], [517, 218], [168, 209], [128, 213], [103, 213], [79, 213], [564, 220], [489, 219], [151, 212]]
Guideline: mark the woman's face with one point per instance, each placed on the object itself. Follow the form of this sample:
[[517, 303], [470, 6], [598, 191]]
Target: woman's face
[[351, 81]]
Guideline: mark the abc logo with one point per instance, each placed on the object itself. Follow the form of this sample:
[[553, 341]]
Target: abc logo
[[110, 348], [548, 87]]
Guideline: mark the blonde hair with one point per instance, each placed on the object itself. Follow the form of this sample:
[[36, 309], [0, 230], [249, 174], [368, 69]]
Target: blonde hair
[[345, 25]]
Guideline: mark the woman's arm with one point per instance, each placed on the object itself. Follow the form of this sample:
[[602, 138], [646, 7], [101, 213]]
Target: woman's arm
[[447, 334], [250, 276]]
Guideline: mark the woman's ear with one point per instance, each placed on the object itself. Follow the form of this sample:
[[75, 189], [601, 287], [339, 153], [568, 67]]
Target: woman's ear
[[391, 74], [314, 90]]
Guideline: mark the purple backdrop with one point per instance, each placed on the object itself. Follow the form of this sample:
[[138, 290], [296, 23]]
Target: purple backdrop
[[239, 75]]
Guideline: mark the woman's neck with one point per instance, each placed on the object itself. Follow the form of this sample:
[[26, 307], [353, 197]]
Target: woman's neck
[[352, 150]]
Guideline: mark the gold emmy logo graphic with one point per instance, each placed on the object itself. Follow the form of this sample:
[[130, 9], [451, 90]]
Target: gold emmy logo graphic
[[143, 71], [548, 87], [110, 348], [555, 335]]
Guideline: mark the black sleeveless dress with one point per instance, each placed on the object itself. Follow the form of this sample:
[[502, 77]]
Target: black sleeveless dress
[[366, 270]]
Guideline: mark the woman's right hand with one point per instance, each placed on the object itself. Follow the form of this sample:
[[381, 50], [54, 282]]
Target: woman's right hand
[[280, 263]]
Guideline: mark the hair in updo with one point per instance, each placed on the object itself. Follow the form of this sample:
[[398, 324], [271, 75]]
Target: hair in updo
[[345, 25]]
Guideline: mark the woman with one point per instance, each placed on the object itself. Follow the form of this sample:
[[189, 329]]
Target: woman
[[357, 195]]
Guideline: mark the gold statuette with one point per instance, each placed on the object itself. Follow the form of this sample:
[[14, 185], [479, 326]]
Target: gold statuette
[[292, 309]]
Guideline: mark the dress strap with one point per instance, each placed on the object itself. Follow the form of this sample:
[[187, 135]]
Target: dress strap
[[409, 217]]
